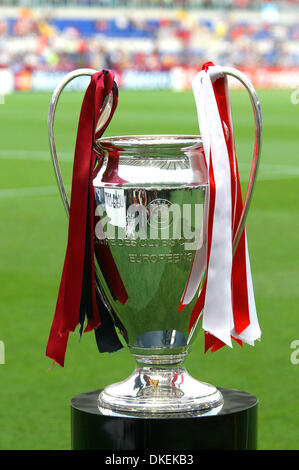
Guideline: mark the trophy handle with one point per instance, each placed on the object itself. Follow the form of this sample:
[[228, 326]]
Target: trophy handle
[[106, 109], [257, 146], [51, 116]]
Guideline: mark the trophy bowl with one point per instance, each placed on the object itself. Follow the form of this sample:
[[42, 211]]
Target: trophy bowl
[[151, 194]]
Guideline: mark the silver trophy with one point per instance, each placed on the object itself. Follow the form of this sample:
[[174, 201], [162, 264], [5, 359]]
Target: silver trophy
[[152, 218]]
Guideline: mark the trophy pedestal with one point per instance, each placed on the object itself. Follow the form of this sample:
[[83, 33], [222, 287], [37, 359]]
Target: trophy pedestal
[[234, 428], [157, 392]]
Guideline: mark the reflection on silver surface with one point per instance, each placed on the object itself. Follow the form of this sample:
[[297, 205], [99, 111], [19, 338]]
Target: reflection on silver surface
[[158, 392], [187, 414]]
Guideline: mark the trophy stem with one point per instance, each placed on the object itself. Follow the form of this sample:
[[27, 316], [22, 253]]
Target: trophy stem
[[160, 387], [166, 360]]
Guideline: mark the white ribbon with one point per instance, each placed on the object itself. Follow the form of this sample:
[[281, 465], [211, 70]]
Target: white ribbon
[[253, 331], [218, 317], [218, 312], [199, 261]]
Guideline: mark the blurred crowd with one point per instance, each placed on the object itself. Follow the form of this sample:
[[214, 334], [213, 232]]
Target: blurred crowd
[[40, 41], [150, 3]]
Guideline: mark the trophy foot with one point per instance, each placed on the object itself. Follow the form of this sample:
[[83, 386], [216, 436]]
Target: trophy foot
[[160, 392]]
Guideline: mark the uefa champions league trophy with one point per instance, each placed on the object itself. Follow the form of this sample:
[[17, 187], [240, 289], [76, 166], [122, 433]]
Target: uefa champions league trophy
[[151, 214]]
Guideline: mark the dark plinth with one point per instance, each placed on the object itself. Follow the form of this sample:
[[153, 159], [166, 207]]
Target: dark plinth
[[234, 428]]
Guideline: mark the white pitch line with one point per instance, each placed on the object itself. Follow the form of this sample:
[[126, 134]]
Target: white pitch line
[[281, 173], [40, 155], [273, 173], [29, 191], [266, 170]]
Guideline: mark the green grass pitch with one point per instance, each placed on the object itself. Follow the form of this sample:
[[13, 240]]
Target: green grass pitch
[[34, 401]]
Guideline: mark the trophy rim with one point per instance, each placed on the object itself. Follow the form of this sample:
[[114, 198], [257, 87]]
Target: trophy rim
[[163, 140]]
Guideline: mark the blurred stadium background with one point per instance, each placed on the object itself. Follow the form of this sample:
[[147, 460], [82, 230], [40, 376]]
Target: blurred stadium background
[[155, 46], [149, 43]]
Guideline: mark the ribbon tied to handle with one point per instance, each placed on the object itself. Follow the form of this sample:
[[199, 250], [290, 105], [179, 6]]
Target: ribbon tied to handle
[[226, 301], [77, 298]]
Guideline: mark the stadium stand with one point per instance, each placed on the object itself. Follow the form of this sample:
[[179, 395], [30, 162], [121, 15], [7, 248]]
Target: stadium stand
[[46, 39], [150, 3]]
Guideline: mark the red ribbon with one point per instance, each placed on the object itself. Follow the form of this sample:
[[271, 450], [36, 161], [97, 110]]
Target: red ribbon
[[239, 284], [77, 287]]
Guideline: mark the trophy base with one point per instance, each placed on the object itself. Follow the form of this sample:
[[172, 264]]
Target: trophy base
[[160, 392]]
